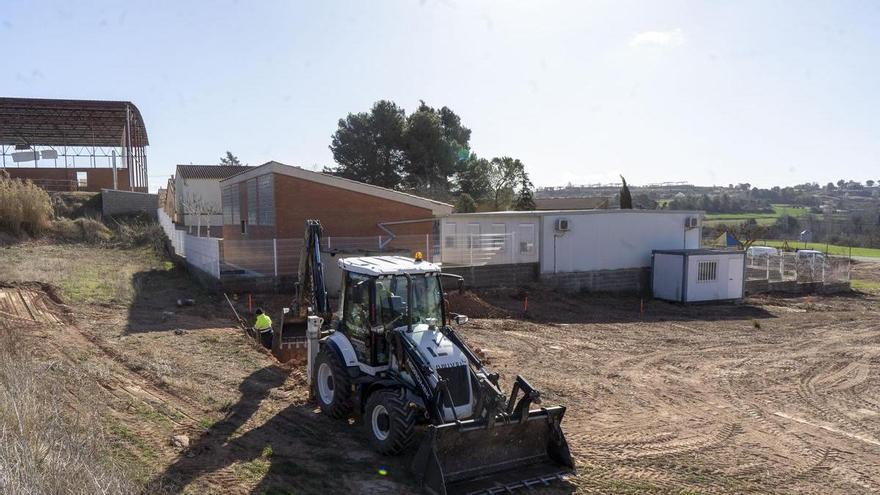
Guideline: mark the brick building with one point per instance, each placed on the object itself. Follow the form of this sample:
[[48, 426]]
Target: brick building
[[274, 201]]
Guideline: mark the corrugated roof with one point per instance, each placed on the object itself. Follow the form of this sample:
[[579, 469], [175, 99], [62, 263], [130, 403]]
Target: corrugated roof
[[39, 121], [210, 171]]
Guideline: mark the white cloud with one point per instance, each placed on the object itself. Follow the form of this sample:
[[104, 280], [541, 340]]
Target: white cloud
[[674, 37]]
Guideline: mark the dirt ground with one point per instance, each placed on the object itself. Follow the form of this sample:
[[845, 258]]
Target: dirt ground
[[774, 395]]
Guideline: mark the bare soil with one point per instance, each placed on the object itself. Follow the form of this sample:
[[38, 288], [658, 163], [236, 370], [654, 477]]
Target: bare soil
[[775, 395]]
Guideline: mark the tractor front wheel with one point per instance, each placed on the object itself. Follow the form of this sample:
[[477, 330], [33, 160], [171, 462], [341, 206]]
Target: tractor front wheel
[[332, 385], [389, 421]]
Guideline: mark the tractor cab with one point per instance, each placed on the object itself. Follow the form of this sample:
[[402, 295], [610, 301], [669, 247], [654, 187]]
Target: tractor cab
[[384, 293]]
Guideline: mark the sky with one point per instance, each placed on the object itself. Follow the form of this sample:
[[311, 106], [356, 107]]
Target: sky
[[770, 93]]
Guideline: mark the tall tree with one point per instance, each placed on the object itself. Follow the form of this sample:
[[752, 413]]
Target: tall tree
[[473, 178], [465, 204], [626, 199], [368, 147], [504, 174], [525, 200], [229, 159], [436, 148]]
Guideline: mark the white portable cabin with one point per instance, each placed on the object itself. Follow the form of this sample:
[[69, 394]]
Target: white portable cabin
[[693, 275]]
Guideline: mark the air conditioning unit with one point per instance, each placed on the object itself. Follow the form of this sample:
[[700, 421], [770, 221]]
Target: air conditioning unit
[[691, 222], [562, 225]]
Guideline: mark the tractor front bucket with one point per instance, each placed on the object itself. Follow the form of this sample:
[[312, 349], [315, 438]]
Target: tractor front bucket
[[475, 456]]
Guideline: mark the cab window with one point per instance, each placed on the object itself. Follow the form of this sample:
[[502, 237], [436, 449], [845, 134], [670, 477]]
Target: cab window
[[356, 309]]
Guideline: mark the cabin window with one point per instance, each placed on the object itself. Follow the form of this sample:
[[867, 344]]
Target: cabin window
[[707, 271]]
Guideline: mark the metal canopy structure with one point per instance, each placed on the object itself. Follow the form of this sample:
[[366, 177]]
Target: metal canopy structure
[[40, 133]]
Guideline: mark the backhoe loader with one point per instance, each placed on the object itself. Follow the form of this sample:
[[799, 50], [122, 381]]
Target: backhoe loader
[[390, 355]]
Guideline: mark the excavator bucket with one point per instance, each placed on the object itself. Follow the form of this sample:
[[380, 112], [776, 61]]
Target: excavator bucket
[[469, 457]]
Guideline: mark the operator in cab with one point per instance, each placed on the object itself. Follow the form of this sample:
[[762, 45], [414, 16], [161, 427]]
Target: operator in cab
[[263, 327]]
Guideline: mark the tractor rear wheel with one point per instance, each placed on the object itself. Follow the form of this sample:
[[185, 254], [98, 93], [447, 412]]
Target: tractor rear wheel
[[389, 421], [332, 385]]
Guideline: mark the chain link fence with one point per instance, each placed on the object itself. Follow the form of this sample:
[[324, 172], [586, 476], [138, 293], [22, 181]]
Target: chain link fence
[[794, 267]]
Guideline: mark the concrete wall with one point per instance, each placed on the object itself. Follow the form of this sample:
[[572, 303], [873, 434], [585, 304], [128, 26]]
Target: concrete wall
[[206, 190], [127, 202], [65, 179], [495, 275], [612, 239], [627, 280], [342, 212]]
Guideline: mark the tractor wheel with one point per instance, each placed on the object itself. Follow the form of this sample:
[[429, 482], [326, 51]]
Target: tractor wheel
[[332, 385], [389, 422]]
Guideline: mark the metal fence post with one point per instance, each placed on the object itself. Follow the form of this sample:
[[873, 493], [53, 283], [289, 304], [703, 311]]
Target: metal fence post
[[275, 255], [427, 248], [380, 243], [217, 259]]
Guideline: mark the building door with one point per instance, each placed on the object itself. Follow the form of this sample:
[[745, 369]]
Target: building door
[[735, 277]]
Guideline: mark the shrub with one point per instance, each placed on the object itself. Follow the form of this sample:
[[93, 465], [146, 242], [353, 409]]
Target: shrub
[[138, 230], [24, 207], [87, 230]]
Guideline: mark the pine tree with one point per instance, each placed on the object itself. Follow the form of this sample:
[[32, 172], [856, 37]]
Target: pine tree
[[626, 200]]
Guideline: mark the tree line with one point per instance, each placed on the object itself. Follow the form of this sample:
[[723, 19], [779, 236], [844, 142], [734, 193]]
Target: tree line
[[428, 153]]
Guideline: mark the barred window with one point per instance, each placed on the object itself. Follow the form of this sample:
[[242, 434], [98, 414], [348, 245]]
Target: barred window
[[707, 271]]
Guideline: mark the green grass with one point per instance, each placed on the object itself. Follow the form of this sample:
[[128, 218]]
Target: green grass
[[85, 274], [829, 248], [761, 218], [868, 285]]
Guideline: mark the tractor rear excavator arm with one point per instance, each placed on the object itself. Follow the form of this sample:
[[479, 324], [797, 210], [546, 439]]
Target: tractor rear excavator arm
[[311, 292]]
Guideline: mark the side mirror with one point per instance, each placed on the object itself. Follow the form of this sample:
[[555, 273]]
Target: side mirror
[[461, 319]]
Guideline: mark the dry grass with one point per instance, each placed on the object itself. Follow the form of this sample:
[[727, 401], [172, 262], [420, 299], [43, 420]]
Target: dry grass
[[24, 207], [46, 446], [85, 230]]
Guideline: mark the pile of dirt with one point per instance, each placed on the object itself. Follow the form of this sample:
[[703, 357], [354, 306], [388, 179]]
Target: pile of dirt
[[472, 305]]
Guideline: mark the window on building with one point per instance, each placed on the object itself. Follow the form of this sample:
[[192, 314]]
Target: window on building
[[499, 236], [252, 201], [473, 230], [450, 235], [82, 179], [265, 200], [226, 200], [231, 206], [526, 238], [707, 271]]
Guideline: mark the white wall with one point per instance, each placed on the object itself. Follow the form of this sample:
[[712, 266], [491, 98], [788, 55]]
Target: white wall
[[668, 276], [612, 240], [208, 190], [728, 283], [489, 239]]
